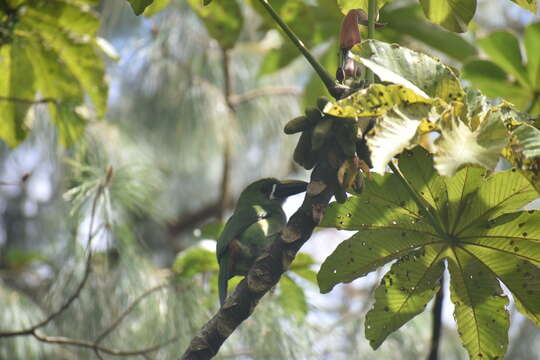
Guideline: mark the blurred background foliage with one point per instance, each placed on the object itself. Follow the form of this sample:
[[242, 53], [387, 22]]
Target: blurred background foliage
[[197, 100]]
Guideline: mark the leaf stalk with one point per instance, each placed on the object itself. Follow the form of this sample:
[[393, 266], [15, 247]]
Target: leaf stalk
[[319, 69]]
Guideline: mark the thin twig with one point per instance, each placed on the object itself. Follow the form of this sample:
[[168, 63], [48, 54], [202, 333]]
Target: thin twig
[[250, 95], [92, 345], [126, 312], [75, 294], [437, 323]]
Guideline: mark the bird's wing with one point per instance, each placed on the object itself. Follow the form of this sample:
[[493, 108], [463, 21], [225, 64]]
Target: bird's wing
[[240, 221], [237, 223]]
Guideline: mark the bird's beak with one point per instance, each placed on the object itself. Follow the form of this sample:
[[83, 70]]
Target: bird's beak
[[287, 188]]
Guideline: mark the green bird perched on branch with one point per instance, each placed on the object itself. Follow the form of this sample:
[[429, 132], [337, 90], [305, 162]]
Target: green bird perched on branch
[[257, 219]]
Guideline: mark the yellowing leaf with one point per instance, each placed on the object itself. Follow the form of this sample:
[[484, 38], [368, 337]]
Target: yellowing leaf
[[373, 101]]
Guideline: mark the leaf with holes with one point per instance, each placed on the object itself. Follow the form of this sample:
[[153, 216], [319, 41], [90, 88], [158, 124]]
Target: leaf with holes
[[471, 221], [374, 101]]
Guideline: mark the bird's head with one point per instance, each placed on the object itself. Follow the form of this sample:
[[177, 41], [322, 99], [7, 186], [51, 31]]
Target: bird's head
[[270, 190]]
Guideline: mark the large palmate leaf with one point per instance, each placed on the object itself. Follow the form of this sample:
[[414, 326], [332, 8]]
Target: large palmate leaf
[[471, 221], [51, 48]]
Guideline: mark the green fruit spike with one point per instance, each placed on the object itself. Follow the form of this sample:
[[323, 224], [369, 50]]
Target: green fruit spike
[[314, 115], [296, 125], [303, 155], [346, 137], [320, 132]]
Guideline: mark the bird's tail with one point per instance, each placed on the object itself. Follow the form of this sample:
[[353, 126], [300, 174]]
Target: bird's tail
[[223, 279]]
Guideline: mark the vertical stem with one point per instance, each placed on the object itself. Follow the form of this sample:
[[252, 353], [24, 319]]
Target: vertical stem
[[372, 10], [437, 323]]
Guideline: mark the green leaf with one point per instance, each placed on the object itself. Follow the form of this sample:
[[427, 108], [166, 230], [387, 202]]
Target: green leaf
[[404, 292], [55, 82], [193, 261], [212, 230], [470, 220], [65, 17], [503, 48], [530, 5], [80, 57], [54, 47], [454, 15], [521, 276], [301, 266], [409, 68], [480, 312], [16, 86], [346, 5], [138, 6], [222, 19], [506, 191], [493, 81], [532, 47], [292, 297], [410, 21], [156, 7], [373, 101]]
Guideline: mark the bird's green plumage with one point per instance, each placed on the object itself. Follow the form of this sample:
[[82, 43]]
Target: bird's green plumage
[[257, 219]]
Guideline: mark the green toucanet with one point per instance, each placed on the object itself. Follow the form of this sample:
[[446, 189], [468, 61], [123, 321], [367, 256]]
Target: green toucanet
[[257, 219]]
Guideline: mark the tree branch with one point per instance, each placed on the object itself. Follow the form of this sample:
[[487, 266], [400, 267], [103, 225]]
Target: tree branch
[[268, 268], [437, 323], [190, 220]]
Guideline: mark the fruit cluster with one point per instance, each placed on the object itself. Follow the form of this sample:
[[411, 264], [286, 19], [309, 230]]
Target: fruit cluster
[[319, 129]]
